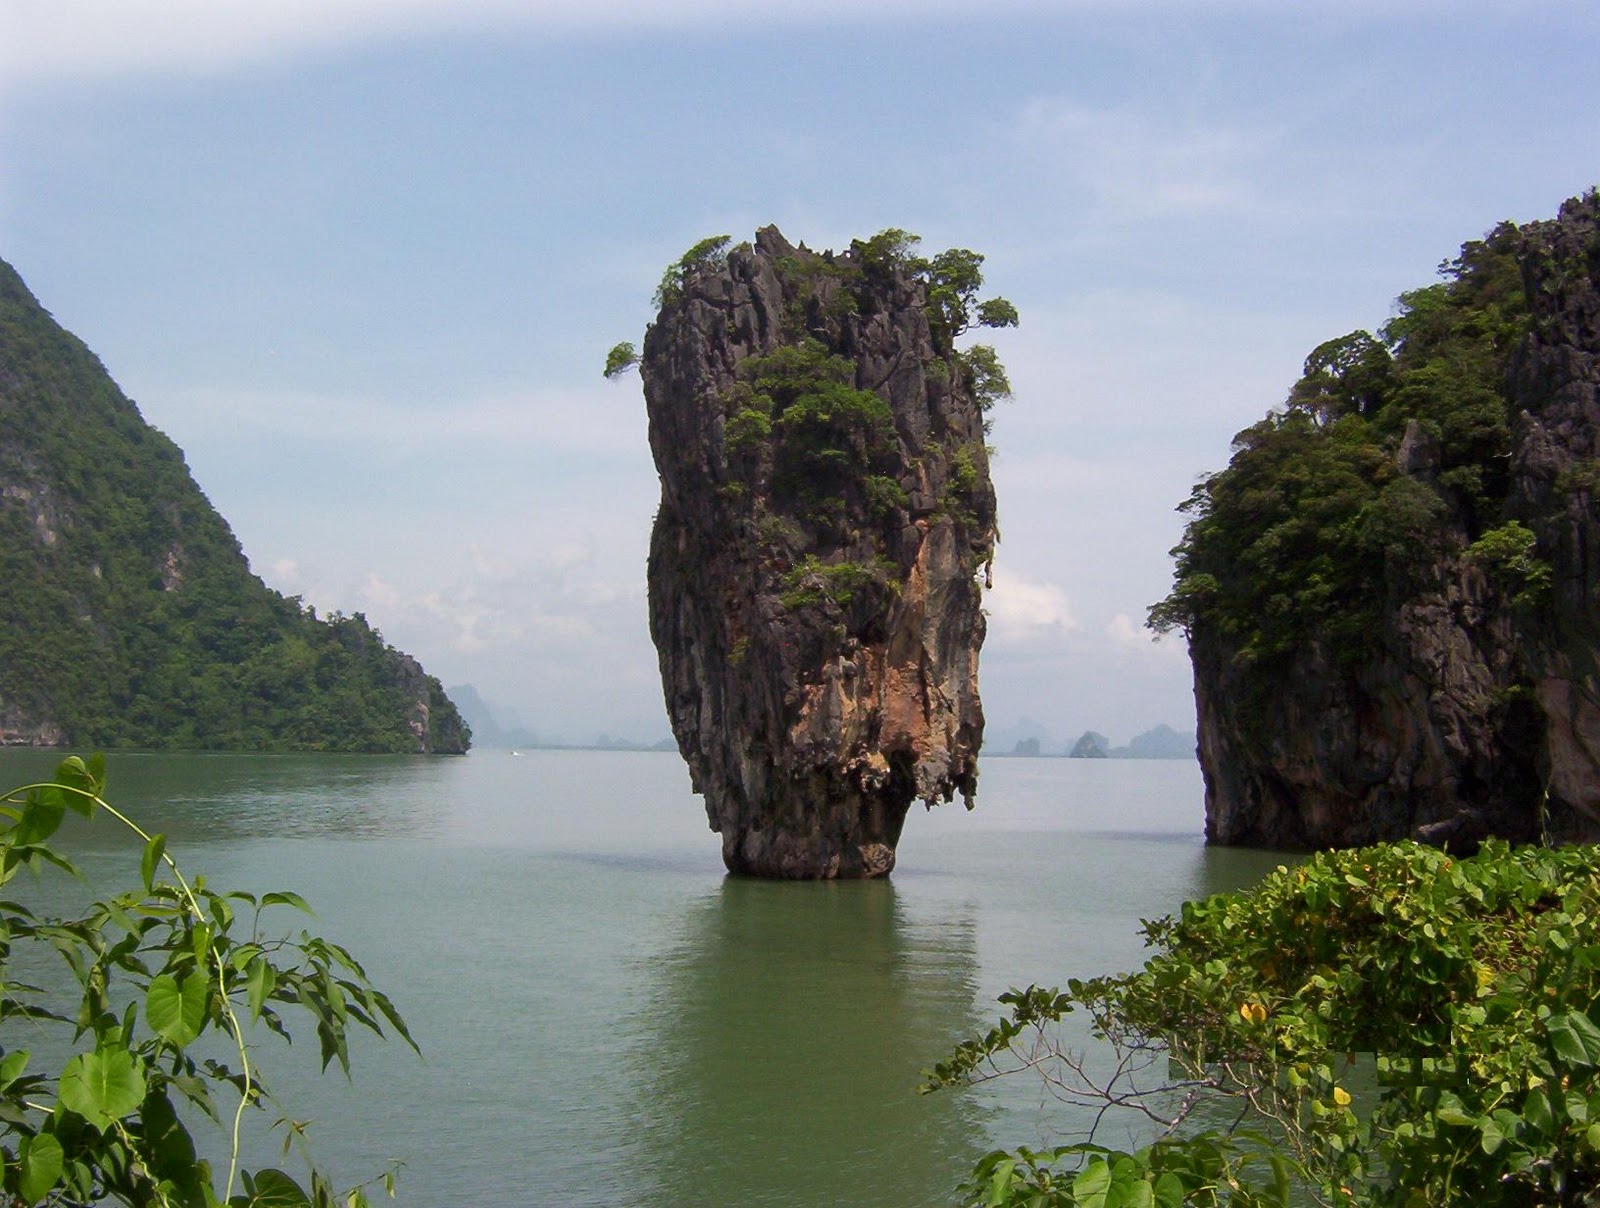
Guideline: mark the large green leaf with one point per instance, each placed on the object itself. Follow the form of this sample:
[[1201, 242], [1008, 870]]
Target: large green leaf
[[177, 1010], [41, 818], [1093, 1184], [169, 1149], [1575, 1038], [102, 1086], [42, 1161], [13, 1065], [271, 1189], [1169, 1191], [259, 983]]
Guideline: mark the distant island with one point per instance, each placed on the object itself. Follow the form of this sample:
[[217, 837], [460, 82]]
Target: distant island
[[132, 618], [1161, 742]]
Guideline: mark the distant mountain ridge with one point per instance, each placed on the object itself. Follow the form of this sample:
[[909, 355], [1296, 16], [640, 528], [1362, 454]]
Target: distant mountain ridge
[[1161, 742], [131, 616], [497, 728], [488, 730]]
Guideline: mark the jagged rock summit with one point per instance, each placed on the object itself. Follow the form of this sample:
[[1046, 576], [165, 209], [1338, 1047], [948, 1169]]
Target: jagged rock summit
[[826, 518], [1391, 593]]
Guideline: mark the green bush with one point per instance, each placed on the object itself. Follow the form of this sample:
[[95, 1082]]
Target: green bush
[[1470, 984], [814, 581], [1509, 556], [156, 970], [711, 252]]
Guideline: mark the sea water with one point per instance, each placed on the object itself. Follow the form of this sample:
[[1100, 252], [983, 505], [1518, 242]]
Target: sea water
[[605, 1018]]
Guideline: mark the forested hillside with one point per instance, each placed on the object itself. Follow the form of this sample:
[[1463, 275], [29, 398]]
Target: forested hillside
[[131, 615], [1391, 592]]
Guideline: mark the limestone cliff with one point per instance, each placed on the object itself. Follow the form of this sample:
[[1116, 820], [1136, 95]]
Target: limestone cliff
[[826, 516], [1390, 594]]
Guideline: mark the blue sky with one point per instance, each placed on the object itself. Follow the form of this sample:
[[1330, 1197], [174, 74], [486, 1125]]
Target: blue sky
[[363, 259]]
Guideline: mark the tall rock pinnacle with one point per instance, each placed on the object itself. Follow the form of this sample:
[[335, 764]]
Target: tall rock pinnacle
[[826, 518]]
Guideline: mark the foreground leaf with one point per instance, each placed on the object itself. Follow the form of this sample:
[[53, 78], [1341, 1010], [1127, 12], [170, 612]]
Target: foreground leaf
[[271, 1189], [42, 1162], [102, 1086], [177, 1010]]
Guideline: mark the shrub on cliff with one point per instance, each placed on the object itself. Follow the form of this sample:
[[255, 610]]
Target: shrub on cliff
[[1314, 521], [1402, 1028]]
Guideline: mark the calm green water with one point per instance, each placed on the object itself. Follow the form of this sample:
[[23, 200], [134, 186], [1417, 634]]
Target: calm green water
[[607, 1019]]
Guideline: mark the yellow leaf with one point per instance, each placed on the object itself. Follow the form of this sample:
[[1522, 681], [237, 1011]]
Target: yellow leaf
[[1341, 1096]]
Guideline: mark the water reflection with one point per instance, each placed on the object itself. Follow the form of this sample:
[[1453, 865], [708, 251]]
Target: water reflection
[[1229, 869], [204, 798], [780, 1050]]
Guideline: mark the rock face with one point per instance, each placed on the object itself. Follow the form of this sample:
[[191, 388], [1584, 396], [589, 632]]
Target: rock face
[[1472, 704], [826, 514]]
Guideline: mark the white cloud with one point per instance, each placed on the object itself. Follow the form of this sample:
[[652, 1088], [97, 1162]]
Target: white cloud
[[1130, 637], [1021, 609], [57, 40], [533, 604], [378, 595], [73, 39], [1125, 634]]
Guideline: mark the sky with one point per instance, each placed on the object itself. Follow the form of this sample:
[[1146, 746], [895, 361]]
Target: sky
[[362, 260]]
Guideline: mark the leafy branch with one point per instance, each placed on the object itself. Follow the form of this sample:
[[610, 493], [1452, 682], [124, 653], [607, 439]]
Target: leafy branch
[[156, 969], [1469, 985]]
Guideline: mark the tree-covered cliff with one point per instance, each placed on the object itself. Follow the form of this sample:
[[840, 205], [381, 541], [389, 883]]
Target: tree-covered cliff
[[826, 518], [131, 617], [1390, 594]]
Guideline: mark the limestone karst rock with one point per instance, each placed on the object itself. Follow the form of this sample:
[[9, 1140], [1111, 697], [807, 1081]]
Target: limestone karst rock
[[1391, 594], [826, 518]]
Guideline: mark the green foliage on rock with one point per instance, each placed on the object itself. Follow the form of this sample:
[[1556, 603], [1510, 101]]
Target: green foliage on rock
[[814, 580], [1403, 1027], [1391, 453], [1508, 554], [622, 357], [166, 982], [133, 618], [951, 281], [711, 252], [985, 375], [800, 429]]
